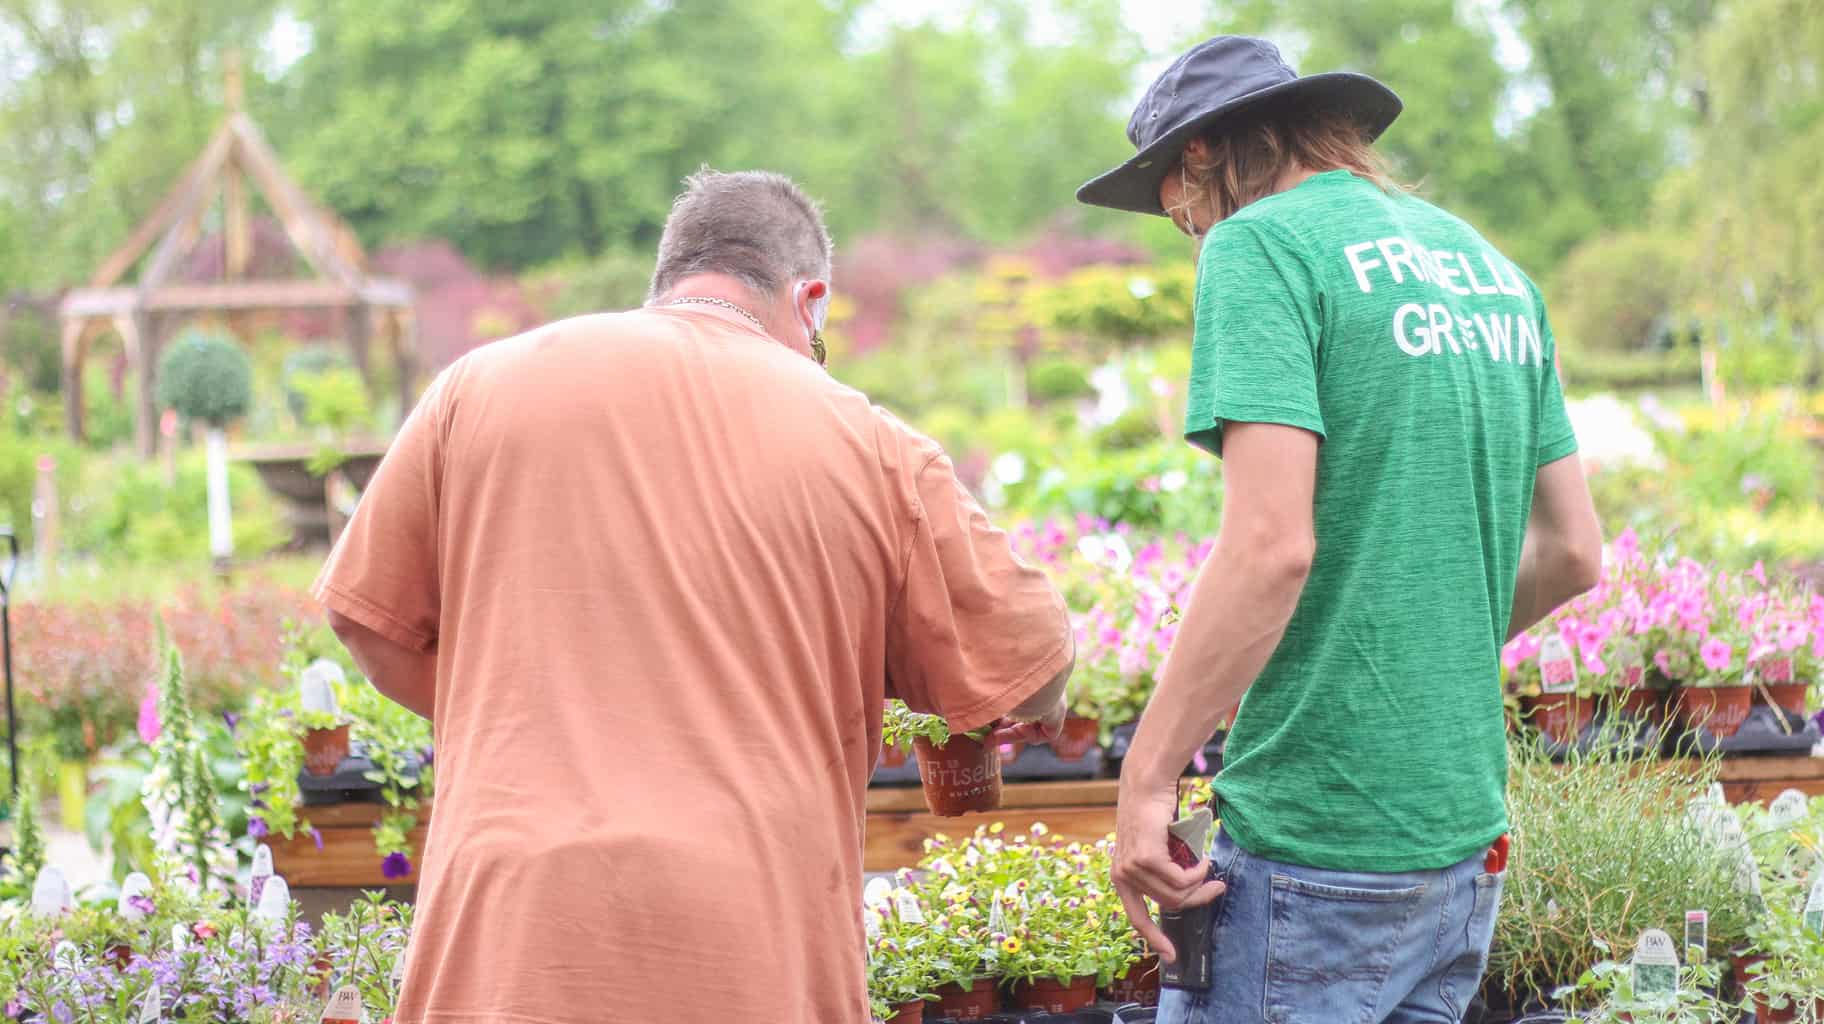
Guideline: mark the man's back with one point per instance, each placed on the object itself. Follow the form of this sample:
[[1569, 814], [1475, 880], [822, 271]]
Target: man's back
[[670, 563], [1374, 738]]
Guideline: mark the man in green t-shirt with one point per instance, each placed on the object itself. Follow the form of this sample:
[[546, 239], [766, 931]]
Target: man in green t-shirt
[[1401, 496]]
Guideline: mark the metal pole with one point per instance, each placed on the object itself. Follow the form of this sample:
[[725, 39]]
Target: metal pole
[[6, 655]]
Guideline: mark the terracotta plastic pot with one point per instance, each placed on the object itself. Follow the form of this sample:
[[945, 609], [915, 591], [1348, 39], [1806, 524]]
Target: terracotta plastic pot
[[1647, 704], [324, 750], [961, 776], [1054, 996], [1079, 736], [893, 757], [1720, 709], [122, 955], [1790, 696], [1764, 1014], [959, 1003], [1560, 716], [1139, 985], [908, 1013]]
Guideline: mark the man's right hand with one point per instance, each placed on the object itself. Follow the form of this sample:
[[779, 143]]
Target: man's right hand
[[1017, 729]]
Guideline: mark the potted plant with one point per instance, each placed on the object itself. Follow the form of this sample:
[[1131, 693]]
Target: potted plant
[[1553, 696], [1607, 989], [1714, 698], [1783, 658], [325, 730], [960, 772], [1784, 973]]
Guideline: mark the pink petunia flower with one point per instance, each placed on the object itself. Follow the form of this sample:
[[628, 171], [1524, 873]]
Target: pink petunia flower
[[1717, 654]]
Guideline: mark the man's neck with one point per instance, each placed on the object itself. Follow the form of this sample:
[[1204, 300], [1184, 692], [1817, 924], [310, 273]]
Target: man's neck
[[731, 290]]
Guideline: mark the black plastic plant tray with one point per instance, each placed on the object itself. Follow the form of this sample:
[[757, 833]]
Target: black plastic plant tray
[[1609, 730], [904, 774], [1042, 762], [349, 785], [1760, 733], [1123, 738]]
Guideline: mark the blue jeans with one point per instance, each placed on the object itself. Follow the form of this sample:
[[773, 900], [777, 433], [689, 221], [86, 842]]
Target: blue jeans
[[1297, 945]]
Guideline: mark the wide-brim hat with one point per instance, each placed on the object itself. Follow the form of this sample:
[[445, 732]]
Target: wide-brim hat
[[1217, 79]]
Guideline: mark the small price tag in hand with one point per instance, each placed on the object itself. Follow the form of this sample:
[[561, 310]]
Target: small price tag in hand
[[1188, 929]]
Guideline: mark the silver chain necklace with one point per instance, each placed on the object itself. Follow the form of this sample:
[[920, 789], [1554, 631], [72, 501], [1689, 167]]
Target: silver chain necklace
[[724, 303]]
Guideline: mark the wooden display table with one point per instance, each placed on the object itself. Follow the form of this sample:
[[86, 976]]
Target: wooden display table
[[898, 822]]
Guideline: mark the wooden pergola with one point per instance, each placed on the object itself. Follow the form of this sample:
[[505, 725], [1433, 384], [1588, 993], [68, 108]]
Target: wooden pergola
[[146, 313]]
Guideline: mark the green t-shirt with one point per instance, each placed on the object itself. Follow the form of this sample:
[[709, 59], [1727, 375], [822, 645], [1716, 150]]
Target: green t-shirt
[[1374, 739]]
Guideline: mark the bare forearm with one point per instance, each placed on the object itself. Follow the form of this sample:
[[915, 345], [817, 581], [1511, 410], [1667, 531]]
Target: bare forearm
[[1547, 578], [407, 677], [1044, 702], [1243, 599]]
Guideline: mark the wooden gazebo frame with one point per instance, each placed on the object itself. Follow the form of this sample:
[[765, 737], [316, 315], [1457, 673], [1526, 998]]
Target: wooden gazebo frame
[[145, 314]]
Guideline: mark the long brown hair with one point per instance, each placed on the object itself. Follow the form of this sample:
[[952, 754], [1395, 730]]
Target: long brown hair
[[1245, 160]]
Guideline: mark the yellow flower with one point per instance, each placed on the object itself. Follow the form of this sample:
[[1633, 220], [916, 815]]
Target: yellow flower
[[1010, 945], [996, 829]]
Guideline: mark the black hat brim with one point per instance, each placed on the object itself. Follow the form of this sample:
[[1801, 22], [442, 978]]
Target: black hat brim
[[1134, 186]]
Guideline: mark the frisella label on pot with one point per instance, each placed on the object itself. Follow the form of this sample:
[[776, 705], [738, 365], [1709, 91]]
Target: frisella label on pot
[[344, 1007], [1655, 964], [1558, 670], [971, 780]]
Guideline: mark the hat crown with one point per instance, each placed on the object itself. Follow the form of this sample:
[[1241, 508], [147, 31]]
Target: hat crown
[[1212, 73]]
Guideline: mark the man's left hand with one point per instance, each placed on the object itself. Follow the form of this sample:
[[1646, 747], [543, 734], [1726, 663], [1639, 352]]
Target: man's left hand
[[1144, 868]]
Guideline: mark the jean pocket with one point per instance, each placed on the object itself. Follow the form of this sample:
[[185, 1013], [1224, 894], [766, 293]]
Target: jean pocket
[[1330, 948], [1464, 974]]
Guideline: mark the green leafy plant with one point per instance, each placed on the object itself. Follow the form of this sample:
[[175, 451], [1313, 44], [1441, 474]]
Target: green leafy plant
[[206, 378], [1608, 986], [901, 725]]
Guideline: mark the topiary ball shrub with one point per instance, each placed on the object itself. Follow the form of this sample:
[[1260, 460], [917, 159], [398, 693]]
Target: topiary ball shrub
[[206, 377], [1057, 380]]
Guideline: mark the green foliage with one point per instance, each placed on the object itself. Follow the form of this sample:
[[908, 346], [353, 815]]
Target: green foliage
[[1122, 305], [1165, 487], [1056, 380], [306, 362], [1603, 850], [1754, 459], [613, 281], [206, 378], [1620, 292], [19, 456], [1588, 372], [1609, 988], [901, 725], [128, 513], [26, 858], [179, 792]]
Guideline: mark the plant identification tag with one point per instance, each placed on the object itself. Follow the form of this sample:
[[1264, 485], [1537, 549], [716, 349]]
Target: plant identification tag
[[344, 1007], [179, 940], [1697, 936], [907, 905], [1655, 964], [1814, 906], [51, 892], [134, 885], [151, 1005], [870, 920], [275, 900], [316, 686], [262, 870], [398, 978], [877, 893], [1557, 669], [1788, 809], [997, 921]]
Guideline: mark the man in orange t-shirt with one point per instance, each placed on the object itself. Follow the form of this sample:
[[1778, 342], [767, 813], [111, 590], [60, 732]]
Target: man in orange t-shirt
[[651, 575]]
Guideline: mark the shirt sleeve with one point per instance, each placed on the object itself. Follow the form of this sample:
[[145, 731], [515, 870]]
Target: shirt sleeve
[[1557, 440], [975, 631], [1254, 345], [383, 572]]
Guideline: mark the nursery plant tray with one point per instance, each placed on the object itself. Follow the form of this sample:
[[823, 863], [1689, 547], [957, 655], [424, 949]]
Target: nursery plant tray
[[1760, 733], [349, 784], [1041, 762], [1123, 738], [903, 774]]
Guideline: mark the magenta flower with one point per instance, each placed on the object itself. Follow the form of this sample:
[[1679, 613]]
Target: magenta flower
[[1716, 654], [149, 727], [256, 827], [1758, 573]]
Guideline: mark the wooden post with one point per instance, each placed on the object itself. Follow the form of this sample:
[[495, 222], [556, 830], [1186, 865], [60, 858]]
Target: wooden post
[[73, 330], [46, 513], [405, 348], [358, 324], [144, 358]]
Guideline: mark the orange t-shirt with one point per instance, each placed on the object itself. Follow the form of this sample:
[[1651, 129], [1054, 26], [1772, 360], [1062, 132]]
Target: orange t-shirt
[[669, 568]]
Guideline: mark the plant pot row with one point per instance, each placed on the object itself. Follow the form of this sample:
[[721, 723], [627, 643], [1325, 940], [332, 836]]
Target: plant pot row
[[1140, 985], [1720, 710]]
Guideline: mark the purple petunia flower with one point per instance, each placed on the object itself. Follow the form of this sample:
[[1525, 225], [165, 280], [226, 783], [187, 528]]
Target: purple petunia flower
[[395, 866], [430, 755], [316, 837], [233, 720], [142, 903], [256, 827]]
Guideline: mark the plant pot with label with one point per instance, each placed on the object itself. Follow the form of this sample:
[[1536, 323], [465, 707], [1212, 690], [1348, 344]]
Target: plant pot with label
[[893, 756], [1562, 717], [1642, 703], [1138, 984], [1718, 710], [325, 745], [957, 1003], [961, 772], [1780, 688], [908, 1013], [1053, 995]]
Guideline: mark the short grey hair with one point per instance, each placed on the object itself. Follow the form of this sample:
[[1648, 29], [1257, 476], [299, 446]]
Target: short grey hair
[[755, 226]]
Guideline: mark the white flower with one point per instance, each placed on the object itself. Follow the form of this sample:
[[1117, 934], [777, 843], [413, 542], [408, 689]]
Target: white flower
[[1173, 480], [1141, 288], [1009, 467]]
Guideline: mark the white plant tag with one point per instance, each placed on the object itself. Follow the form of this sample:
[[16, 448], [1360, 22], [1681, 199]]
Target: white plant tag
[[151, 1005], [65, 957], [51, 892], [1697, 936], [1814, 907], [1194, 830], [909, 910], [135, 884], [1788, 809], [1655, 964], [275, 900], [399, 971], [1717, 796], [1557, 669], [877, 893], [180, 940], [316, 686], [870, 919], [262, 870], [344, 1006], [997, 919]]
